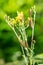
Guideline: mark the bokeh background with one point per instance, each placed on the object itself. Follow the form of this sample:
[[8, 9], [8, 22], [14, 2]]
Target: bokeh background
[[9, 44]]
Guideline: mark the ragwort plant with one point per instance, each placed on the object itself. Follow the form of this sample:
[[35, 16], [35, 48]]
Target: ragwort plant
[[18, 24]]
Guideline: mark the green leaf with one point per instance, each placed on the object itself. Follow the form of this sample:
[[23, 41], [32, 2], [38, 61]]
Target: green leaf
[[39, 58]]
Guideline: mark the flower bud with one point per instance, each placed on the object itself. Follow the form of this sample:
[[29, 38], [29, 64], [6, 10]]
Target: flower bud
[[30, 12], [31, 23]]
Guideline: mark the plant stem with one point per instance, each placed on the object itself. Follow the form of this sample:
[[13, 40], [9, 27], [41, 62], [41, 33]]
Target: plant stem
[[32, 44], [26, 62]]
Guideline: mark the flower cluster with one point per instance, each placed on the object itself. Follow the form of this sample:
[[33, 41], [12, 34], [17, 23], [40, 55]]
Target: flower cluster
[[20, 25], [18, 20]]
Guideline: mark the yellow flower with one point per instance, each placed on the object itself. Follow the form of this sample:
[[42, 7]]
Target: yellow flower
[[12, 22], [20, 16]]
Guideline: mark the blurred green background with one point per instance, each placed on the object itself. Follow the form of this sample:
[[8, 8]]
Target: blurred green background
[[8, 42]]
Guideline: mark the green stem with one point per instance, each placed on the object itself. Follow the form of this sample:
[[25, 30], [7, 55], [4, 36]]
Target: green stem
[[14, 31], [32, 44], [26, 62]]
